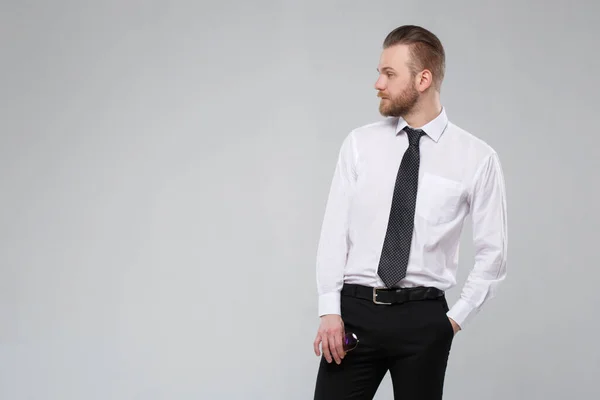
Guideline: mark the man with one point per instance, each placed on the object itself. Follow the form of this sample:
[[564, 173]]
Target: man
[[388, 251]]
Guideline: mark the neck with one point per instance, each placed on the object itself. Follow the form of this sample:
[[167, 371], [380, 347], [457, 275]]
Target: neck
[[424, 112]]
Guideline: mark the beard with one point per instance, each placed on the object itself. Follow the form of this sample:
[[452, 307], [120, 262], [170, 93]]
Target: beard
[[401, 105]]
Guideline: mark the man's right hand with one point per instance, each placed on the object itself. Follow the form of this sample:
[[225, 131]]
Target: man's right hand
[[330, 335]]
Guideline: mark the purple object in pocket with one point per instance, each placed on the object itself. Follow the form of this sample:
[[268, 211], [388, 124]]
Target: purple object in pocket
[[350, 341]]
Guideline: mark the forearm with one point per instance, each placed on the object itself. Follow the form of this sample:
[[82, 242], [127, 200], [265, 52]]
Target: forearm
[[332, 251], [481, 285]]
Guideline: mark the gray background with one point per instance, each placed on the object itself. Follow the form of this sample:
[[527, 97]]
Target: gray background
[[164, 171]]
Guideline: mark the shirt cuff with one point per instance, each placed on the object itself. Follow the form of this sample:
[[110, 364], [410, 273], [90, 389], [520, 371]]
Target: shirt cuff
[[462, 312], [329, 303]]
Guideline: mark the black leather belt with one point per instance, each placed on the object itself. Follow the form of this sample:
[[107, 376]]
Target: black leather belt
[[388, 296]]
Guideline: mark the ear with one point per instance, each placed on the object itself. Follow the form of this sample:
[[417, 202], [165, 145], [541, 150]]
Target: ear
[[424, 80]]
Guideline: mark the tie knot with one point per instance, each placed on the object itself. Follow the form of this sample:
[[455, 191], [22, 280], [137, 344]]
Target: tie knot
[[414, 135]]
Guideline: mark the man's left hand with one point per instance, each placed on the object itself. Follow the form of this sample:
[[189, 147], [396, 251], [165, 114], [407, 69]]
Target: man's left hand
[[455, 326]]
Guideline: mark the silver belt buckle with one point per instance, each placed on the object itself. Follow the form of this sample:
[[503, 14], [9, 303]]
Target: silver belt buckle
[[375, 297]]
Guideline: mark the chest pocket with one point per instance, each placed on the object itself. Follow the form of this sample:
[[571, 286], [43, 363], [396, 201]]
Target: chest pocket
[[438, 198]]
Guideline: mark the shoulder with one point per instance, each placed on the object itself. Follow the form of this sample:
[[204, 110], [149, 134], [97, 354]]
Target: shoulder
[[469, 140], [372, 130], [480, 157], [381, 125]]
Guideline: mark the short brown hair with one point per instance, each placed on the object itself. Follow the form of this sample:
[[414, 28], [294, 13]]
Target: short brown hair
[[426, 50]]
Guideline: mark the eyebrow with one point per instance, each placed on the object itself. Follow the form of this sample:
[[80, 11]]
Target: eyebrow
[[386, 69]]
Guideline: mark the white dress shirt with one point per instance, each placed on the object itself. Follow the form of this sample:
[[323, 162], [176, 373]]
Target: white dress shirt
[[459, 174]]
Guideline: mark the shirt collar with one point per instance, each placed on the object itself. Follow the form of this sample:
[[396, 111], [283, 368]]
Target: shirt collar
[[433, 128]]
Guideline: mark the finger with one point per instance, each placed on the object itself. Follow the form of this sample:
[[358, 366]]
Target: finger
[[325, 348], [316, 345], [333, 348], [340, 345]]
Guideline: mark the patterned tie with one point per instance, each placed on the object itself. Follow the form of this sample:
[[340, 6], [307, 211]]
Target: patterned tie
[[398, 238]]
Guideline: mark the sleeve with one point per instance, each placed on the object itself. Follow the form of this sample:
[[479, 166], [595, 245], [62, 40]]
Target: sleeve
[[489, 219], [333, 243]]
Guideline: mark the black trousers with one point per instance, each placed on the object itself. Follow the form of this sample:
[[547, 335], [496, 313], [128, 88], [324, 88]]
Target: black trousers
[[411, 340]]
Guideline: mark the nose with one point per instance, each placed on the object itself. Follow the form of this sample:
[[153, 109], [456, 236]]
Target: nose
[[380, 84]]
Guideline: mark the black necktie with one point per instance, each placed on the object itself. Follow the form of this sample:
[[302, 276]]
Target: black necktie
[[398, 238]]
